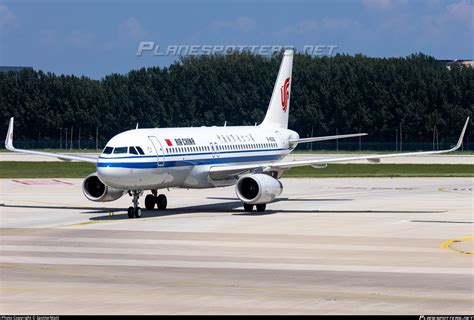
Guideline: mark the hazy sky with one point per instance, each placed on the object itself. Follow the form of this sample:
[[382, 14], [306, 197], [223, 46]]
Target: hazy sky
[[97, 38]]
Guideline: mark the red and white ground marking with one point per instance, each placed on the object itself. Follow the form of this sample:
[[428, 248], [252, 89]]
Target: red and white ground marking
[[41, 182]]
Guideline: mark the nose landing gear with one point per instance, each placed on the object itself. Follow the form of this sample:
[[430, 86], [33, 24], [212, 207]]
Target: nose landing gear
[[135, 211]]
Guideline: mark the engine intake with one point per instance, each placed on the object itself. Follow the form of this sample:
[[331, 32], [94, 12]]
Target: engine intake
[[96, 190], [258, 188]]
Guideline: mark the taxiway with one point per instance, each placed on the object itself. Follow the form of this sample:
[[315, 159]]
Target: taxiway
[[353, 246]]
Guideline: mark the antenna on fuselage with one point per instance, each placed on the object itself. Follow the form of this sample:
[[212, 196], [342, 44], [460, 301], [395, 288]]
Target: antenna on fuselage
[[136, 126], [225, 123]]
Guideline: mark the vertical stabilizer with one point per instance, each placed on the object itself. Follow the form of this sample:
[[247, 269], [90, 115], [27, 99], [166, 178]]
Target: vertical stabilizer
[[279, 106]]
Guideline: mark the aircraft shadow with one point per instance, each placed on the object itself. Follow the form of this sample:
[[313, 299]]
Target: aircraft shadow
[[236, 206], [211, 208], [285, 199], [94, 209], [222, 207]]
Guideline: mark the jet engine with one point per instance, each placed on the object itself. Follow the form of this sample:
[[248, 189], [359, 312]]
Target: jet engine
[[258, 188], [96, 190]]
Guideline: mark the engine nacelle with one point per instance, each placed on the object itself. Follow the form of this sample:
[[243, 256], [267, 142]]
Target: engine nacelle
[[96, 190], [258, 188]]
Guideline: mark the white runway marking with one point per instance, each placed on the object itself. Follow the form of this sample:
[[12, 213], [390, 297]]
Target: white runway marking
[[229, 265]]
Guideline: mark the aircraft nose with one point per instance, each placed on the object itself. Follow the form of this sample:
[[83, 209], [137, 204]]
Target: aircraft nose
[[109, 175]]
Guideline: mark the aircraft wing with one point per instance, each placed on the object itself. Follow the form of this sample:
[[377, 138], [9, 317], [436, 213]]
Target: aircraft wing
[[221, 172], [61, 156], [341, 136]]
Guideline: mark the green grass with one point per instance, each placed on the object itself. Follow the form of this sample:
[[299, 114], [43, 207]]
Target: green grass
[[384, 170], [17, 169], [20, 169]]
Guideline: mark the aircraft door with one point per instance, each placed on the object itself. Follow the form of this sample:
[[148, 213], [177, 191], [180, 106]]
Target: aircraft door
[[214, 150], [160, 153]]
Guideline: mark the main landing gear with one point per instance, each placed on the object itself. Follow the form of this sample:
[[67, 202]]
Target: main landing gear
[[152, 199], [260, 207]]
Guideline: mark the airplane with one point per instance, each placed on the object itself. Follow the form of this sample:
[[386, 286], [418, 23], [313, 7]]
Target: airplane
[[249, 157]]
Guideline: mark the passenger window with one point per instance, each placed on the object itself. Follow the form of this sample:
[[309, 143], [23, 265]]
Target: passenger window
[[140, 150], [120, 150], [107, 150], [132, 150]]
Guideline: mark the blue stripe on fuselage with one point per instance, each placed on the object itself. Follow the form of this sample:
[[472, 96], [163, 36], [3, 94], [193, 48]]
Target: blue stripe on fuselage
[[187, 162]]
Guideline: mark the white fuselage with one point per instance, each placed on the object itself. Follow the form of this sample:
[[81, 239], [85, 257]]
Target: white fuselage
[[182, 157]]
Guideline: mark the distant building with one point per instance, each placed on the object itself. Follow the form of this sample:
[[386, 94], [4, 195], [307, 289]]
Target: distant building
[[13, 68], [449, 63]]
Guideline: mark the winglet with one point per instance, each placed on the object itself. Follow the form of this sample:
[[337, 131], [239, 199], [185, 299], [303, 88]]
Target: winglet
[[9, 138], [461, 137]]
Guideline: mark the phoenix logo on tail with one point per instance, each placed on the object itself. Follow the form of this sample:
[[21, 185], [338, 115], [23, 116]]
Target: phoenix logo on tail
[[285, 94]]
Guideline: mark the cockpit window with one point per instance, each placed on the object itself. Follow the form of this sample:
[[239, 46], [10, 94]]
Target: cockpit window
[[140, 150], [132, 150], [107, 150], [120, 150]]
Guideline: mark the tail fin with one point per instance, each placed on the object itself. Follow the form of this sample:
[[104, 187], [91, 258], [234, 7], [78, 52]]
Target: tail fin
[[279, 106]]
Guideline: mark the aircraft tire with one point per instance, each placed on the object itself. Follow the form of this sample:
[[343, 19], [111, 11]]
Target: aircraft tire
[[162, 202], [138, 212], [248, 207], [150, 202], [131, 213]]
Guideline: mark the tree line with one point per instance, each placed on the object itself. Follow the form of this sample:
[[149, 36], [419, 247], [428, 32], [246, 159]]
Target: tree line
[[345, 93]]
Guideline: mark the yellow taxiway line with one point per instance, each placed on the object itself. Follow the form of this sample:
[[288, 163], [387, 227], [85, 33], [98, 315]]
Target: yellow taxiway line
[[447, 245]]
